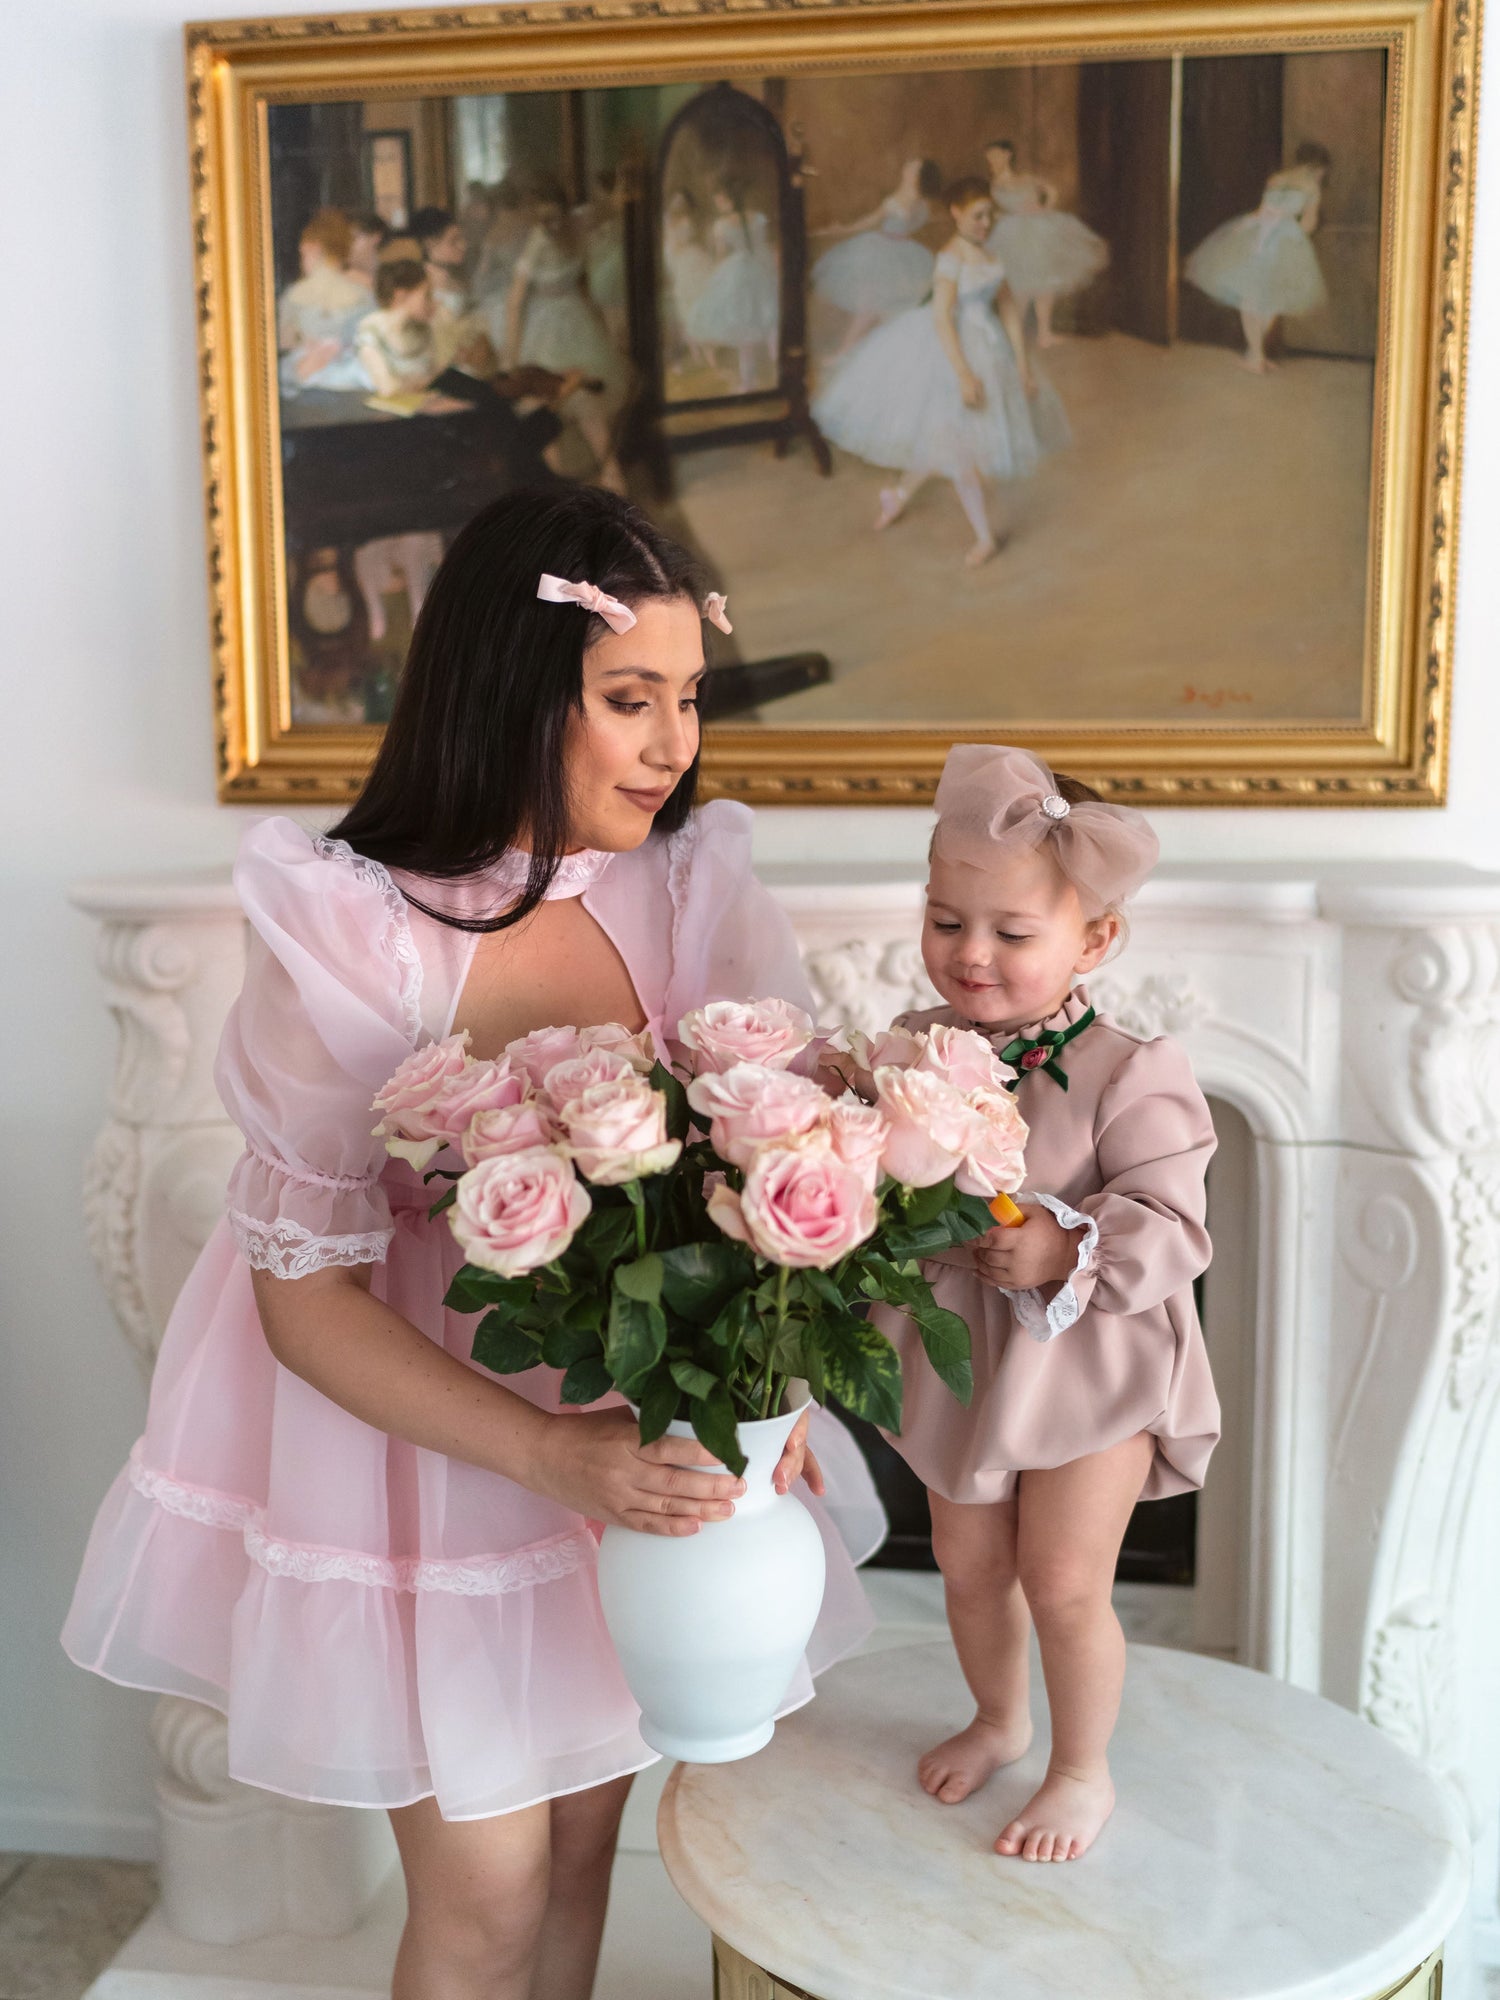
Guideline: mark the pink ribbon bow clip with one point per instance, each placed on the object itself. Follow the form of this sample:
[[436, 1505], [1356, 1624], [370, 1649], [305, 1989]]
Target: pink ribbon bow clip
[[589, 597], [716, 611]]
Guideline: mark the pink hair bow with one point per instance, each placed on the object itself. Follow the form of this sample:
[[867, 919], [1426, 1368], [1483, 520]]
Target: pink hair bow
[[716, 611], [589, 597]]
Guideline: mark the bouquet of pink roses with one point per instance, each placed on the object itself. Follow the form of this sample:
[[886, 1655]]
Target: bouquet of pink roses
[[697, 1236]]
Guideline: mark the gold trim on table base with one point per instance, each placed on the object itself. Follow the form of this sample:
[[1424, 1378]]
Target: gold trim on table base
[[739, 1978]]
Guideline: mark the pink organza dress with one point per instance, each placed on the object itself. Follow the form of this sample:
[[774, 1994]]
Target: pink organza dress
[[379, 1622]]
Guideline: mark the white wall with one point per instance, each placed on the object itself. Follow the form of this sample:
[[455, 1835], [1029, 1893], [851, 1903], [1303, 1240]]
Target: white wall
[[106, 742]]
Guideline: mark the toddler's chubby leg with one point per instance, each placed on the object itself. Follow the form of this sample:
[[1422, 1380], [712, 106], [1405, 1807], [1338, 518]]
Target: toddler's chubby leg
[[976, 1551], [1071, 1522]]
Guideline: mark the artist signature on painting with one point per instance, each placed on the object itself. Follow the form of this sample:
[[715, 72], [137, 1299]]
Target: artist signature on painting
[[1213, 697]]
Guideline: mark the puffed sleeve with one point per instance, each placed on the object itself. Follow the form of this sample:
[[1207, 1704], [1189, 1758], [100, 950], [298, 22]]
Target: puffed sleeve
[[328, 1009], [949, 265], [1144, 1235], [731, 939]]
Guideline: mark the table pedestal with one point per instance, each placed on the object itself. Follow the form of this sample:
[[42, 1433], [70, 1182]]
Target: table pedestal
[[736, 1978]]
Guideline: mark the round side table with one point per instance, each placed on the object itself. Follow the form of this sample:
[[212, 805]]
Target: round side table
[[1268, 1845]]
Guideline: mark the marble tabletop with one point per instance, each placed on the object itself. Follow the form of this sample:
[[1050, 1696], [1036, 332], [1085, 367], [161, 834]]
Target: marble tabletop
[[1267, 1846]]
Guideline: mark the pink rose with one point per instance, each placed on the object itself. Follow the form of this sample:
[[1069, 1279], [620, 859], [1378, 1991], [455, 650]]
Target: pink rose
[[931, 1127], [617, 1131], [892, 1048], [726, 1032], [638, 1050], [996, 1159], [570, 1079], [515, 1128], [750, 1106], [963, 1058], [543, 1049], [801, 1205], [514, 1213], [404, 1100], [858, 1133]]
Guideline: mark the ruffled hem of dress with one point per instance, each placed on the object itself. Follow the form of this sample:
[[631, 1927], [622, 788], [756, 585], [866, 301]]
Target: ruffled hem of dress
[[307, 1562], [1046, 1319]]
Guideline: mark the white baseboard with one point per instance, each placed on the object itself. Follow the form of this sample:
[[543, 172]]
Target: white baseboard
[[38, 1829]]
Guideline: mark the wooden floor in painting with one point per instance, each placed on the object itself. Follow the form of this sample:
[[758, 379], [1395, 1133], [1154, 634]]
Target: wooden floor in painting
[[1197, 554]]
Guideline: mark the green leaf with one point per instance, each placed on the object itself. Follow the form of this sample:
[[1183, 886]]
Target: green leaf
[[586, 1381], [659, 1400], [944, 1334], [926, 1204], [606, 1235], [565, 1344], [642, 1279], [679, 1112], [503, 1347], [927, 1241], [700, 1279], [824, 1288], [693, 1380], [862, 1369], [714, 1427], [472, 1290], [443, 1201], [817, 1379], [635, 1341], [969, 1217]]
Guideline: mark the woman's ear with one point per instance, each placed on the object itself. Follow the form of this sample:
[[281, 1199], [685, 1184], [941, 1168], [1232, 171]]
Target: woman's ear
[[1100, 936]]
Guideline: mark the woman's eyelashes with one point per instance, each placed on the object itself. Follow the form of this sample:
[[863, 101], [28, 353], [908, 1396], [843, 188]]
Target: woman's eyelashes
[[689, 703]]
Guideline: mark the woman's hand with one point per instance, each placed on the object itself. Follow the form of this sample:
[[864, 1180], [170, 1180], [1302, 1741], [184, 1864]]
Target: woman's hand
[[1038, 1251], [797, 1462], [971, 389], [595, 1463]]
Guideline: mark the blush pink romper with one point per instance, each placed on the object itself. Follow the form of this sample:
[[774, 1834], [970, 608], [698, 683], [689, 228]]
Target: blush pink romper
[[381, 1623], [1116, 1349]]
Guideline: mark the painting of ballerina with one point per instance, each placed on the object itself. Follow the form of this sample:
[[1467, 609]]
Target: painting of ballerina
[[1032, 394]]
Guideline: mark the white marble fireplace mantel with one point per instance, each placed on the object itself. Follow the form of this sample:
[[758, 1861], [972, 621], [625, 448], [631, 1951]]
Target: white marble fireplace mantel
[[1351, 1018]]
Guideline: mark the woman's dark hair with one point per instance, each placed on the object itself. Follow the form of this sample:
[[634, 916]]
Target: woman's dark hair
[[1001, 146], [966, 189], [472, 760], [403, 274], [428, 224], [1311, 154]]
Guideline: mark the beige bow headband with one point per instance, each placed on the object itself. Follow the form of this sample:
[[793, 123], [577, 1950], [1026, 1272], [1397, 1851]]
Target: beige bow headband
[[993, 802]]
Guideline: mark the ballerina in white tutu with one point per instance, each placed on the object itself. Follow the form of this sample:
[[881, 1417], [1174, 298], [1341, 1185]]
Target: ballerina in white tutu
[[689, 268], [1047, 253], [740, 306], [1264, 264], [947, 387], [552, 321], [879, 267]]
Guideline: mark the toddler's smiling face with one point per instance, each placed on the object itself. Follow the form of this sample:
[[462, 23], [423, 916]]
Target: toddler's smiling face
[[1004, 945]]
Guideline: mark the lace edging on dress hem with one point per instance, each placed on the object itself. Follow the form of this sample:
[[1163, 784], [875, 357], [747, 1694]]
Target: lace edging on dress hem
[[477, 1576]]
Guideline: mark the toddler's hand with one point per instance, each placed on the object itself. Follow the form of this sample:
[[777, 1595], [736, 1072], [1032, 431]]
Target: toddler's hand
[[1038, 1251]]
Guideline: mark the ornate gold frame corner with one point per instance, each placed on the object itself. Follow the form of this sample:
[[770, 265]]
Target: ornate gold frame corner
[[1396, 756]]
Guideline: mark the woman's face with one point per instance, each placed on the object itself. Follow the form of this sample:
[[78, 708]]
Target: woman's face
[[313, 257], [975, 222], [415, 304], [1000, 160], [723, 201], [638, 730]]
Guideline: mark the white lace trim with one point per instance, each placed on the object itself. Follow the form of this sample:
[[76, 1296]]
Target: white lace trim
[[576, 873], [398, 938], [1044, 1321], [287, 1250], [681, 847], [479, 1576]]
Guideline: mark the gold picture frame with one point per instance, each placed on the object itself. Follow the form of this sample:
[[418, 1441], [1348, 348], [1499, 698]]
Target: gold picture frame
[[1388, 748]]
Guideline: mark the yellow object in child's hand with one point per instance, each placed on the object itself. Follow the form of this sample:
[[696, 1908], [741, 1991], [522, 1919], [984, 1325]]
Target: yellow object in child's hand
[[1006, 1213]]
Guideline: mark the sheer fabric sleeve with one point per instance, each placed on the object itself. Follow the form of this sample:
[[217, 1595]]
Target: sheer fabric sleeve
[[948, 266], [731, 939], [328, 1009], [1144, 1235]]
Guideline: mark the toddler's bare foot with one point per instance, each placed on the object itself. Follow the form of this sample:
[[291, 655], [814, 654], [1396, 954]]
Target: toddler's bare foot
[[1062, 1820], [966, 1761]]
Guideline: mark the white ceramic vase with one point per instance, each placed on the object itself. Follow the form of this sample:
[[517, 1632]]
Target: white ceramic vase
[[710, 1627]]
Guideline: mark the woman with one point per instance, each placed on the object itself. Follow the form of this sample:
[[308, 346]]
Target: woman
[[1047, 253], [1264, 264], [316, 317], [373, 1556], [879, 266]]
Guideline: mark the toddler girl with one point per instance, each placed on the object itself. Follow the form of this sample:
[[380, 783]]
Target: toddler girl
[[1091, 1381]]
